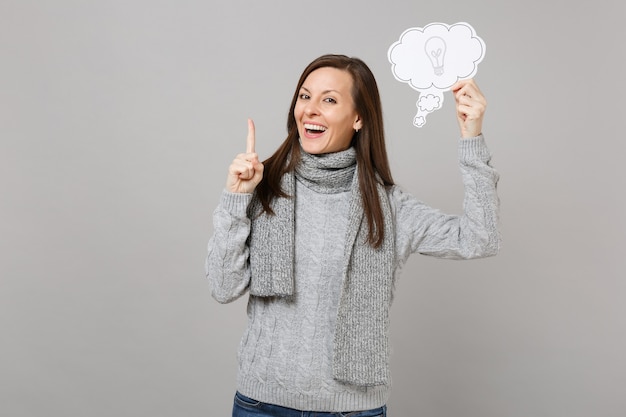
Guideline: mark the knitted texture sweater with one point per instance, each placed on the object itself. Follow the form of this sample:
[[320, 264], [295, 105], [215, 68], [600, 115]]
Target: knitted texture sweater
[[286, 353], [361, 336]]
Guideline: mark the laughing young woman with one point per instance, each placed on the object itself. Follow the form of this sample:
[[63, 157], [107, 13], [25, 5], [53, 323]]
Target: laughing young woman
[[316, 234]]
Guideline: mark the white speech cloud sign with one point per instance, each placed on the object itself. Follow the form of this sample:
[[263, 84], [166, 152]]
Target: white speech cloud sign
[[431, 59]]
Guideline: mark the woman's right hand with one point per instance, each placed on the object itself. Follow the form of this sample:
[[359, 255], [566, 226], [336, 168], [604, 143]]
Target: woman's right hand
[[246, 171]]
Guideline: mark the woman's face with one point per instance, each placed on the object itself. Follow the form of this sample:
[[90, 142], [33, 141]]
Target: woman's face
[[324, 111]]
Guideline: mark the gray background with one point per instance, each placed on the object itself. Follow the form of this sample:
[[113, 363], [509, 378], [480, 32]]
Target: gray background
[[118, 120]]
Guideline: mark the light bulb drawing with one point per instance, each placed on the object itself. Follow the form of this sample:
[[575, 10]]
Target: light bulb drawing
[[435, 48]]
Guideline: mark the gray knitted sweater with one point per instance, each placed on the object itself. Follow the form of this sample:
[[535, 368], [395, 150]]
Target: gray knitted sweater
[[285, 355]]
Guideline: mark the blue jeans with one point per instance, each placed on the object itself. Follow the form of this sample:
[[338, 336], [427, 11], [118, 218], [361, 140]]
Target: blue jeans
[[247, 407]]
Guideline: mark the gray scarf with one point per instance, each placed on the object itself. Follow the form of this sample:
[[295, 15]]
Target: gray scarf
[[361, 344]]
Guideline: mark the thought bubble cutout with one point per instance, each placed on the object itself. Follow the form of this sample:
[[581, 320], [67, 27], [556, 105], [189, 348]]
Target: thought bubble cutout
[[431, 59]]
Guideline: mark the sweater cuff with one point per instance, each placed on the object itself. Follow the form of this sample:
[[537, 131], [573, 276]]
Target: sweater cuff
[[235, 203], [474, 148]]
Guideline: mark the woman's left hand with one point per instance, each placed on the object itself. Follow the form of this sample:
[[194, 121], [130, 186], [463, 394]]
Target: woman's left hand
[[470, 107]]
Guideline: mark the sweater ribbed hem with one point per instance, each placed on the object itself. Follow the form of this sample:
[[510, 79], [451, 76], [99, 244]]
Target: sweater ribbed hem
[[235, 203], [471, 149], [353, 399]]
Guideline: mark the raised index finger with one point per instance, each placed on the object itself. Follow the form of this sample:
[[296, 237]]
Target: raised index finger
[[251, 138]]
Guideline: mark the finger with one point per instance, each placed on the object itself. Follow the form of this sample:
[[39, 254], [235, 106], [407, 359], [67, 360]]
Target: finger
[[469, 113], [460, 84], [466, 88], [456, 87], [460, 92], [470, 98], [251, 137], [240, 165]]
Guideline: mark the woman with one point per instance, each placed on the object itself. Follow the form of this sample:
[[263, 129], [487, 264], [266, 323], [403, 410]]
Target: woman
[[317, 233]]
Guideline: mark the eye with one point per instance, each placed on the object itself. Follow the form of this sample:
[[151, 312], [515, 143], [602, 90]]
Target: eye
[[330, 100], [304, 96]]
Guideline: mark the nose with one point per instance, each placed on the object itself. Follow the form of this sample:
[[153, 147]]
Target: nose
[[311, 108]]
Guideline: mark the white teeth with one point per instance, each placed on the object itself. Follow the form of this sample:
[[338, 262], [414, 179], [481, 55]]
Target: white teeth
[[314, 127]]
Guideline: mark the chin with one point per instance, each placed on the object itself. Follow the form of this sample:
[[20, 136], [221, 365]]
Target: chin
[[312, 148]]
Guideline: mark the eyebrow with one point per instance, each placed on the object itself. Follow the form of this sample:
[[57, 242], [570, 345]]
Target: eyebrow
[[323, 92]]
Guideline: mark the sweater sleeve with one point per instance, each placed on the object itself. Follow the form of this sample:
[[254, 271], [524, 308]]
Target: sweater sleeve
[[473, 234], [227, 266]]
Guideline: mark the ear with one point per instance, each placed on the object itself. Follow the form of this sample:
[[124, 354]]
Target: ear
[[358, 124]]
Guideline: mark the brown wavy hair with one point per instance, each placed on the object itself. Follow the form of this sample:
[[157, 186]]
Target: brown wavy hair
[[369, 143]]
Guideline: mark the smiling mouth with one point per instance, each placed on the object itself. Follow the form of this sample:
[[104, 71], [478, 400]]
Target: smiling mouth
[[314, 129]]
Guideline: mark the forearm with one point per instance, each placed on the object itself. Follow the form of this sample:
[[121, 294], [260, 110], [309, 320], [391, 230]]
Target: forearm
[[479, 224], [472, 234], [227, 265]]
